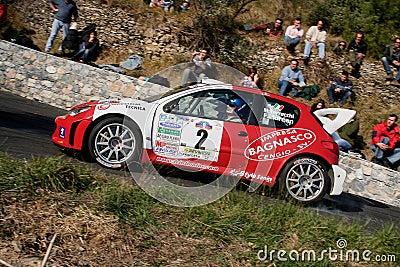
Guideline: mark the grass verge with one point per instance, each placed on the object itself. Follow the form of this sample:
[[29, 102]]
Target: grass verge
[[109, 220]]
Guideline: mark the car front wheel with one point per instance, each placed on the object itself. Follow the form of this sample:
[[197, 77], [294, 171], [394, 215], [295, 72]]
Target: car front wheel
[[305, 179], [114, 142]]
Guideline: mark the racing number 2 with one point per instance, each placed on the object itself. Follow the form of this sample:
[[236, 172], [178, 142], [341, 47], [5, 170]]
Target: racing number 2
[[204, 134]]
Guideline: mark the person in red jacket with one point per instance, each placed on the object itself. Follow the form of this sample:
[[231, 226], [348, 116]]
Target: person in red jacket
[[386, 142]]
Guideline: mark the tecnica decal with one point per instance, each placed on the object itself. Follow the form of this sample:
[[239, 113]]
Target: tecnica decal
[[279, 144]]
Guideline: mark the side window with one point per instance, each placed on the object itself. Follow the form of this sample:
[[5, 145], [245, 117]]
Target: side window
[[279, 114], [222, 105]]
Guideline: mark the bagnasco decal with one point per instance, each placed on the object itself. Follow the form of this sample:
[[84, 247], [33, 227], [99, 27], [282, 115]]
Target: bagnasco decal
[[279, 144]]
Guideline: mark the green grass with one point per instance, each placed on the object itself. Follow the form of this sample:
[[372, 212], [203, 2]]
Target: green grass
[[239, 224]]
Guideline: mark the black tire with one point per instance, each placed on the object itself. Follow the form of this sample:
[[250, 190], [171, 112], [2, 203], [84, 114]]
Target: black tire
[[305, 179], [114, 143]]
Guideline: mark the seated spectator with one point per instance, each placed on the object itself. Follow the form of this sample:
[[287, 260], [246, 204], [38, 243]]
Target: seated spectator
[[346, 137], [385, 142], [293, 35], [185, 6], [202, 64], [320, 104], [357, 51], [340, 89], [315, 37], [252, 80], [167, 5], [90, 49], [339, 48], [391, 56], [272, 29], [291, 77]]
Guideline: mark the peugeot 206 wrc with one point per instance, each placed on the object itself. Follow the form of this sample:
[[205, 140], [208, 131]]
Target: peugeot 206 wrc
[[224, 129]]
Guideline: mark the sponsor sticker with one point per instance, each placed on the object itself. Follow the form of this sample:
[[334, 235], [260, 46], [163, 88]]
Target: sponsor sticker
[[169, 131], [170, 125], [63, 131], [279, 144]]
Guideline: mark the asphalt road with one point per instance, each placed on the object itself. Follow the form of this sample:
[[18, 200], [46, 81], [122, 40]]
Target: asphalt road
[[26, 127]]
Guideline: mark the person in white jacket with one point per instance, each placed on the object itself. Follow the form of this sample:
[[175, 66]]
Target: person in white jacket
[[315, 37]]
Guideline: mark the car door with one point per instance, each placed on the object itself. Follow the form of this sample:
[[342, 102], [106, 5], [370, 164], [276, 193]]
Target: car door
[[194, 131]]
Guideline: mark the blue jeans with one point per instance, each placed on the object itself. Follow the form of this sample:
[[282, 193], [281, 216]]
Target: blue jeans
[[393, 156], [321, 49], [332, 95], [55, 28], [343, 144], [83, 54], [388, 69], [291, 41], [284, 86]]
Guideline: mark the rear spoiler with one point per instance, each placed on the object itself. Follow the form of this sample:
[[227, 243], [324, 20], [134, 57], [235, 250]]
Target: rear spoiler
[[343, 116]]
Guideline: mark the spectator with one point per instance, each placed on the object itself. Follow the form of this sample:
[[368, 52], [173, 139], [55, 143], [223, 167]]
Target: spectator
[[185, 6], [291, 77], [167, 5], [320, 104], [339, 48], [293, 35], [272, 29], [64, 9], [202, 63], [357, 50], [340, 89], [385, 142], [3, 13], [315, 37], [347, 135], [391, 56], [90, 48], [252, 80]]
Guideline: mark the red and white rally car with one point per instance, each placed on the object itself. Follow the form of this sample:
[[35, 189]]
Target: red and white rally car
[[242, 132]]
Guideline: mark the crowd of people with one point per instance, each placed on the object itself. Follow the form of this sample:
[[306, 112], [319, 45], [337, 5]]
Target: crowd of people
[[385, 136]]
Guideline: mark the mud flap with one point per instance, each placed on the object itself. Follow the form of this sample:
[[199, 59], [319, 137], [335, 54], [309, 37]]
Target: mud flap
[[339, 175]]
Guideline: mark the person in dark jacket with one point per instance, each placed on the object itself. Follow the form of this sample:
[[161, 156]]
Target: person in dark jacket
[[347, 135], [357, 51], [89, 50], [341, 89], [272, 29], [391, 56], [386, 141]]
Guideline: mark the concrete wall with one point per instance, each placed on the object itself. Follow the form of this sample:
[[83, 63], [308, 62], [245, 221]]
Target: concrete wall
[[63, 83]]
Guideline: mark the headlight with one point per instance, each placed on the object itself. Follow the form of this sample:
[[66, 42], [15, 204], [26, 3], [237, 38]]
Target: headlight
[[77, 111]]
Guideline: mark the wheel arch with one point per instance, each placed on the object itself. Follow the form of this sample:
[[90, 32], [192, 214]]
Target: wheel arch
[[98, 120], [326, 164]]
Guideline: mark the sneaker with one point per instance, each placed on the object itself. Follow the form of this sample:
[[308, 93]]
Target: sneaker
[[376, 160], [395, 83], [389, 76], [387, 163]]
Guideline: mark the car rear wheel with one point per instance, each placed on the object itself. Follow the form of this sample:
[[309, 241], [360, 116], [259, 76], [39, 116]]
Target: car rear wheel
[[305, 179], [115, 142]]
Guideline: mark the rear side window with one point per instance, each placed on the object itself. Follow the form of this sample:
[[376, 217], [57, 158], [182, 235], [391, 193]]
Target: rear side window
[[279, 114]]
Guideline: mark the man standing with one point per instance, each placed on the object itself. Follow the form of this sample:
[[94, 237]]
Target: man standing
[[64, 9], [391, 56], [385, 142], [357, 50], [315, 37], [340, 89], [293, 35], [291, 78]]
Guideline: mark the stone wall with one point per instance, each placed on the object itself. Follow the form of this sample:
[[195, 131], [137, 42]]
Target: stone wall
[[370, 180], [63, 83]]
